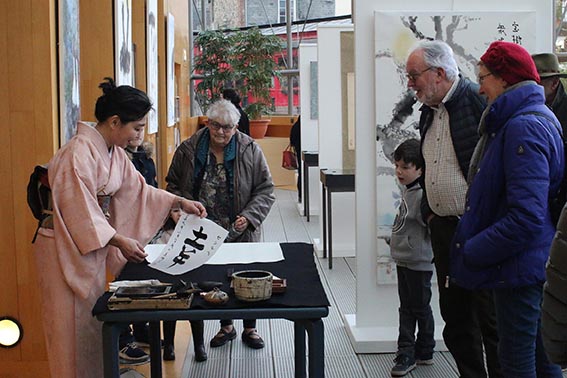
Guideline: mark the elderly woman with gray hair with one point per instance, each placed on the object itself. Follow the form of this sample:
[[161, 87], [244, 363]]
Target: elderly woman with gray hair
[[228, 172]]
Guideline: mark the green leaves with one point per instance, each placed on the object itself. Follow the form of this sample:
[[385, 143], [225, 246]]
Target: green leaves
[[242, 59]]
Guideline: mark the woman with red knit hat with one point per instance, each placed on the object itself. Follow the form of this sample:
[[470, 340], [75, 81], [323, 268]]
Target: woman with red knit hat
[[502, 241]]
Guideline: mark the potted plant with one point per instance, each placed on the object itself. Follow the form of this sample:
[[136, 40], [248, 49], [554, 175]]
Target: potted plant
[[213, 66], [255, 67], [242, 59]]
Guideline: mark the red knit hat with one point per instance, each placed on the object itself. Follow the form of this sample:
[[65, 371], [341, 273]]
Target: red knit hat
[[511, 62]]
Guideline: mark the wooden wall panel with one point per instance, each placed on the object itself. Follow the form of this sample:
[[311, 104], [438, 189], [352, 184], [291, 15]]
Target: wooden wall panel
[[161, 142], [27, 369], [8, 276], [166, 137], [29, 104], [181, 55], [97, 51], [139, 39], [27, 61]]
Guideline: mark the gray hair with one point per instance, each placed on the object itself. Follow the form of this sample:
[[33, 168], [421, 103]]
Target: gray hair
[[224, 112], [439, 54]]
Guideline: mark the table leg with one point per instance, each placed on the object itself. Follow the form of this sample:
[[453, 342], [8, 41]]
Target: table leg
[[300, 168], [324, 197], [316, 332], [110, 334], [330, 227], [155, 350], [299, 343], [306, 191]]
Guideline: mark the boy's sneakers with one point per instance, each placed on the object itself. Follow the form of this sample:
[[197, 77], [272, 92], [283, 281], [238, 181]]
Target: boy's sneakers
[[131, 354], [424, 361], [404, 364]]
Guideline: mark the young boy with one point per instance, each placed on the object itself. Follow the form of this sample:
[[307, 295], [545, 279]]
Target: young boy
[[411, 250]]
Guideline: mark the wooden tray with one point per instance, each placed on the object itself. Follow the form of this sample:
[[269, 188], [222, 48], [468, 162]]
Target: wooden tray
[[125, 303]]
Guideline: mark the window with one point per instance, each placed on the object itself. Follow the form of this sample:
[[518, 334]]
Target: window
[[560, 32], [281, 10]]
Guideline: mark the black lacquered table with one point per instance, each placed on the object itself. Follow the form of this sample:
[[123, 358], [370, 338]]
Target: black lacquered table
[[304, 303], [333, 180], [310, 159]]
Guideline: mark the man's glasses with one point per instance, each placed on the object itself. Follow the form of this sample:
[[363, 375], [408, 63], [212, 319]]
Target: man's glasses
[[414, 76], [217, 126], [482, 77]]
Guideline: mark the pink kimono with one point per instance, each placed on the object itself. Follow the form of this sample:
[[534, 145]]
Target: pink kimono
[[73, 257]]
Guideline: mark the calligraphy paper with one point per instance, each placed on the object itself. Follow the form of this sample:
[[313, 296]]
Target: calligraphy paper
[[247, 253], [193, 242]]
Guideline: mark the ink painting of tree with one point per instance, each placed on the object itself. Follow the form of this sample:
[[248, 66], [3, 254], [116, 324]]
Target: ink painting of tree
[[397, 110]]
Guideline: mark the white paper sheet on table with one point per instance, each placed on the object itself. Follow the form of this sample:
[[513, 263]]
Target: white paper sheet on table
[[246, 253], [193, 242]]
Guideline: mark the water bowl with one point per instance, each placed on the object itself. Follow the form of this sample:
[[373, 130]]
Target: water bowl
[[252, 285]]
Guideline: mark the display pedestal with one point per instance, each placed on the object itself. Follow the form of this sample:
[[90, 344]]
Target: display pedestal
[[380, 333], [376, 339]]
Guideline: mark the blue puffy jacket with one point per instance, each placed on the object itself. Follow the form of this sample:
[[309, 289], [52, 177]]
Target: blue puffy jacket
[[503, 238]]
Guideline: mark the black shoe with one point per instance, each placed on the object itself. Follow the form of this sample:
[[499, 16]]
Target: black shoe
[[222, 337], [252, 339], [131, 354], [404, 364], [168, 352], [200, 353]]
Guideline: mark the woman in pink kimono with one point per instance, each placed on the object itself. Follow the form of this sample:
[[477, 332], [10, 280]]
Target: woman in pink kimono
[[103, 215]]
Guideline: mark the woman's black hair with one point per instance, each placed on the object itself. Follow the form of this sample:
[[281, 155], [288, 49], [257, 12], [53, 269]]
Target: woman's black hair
[[231, 95], [128, 103]]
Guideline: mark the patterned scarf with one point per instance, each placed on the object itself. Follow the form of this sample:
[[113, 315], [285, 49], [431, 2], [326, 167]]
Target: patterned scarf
[[201, 159]]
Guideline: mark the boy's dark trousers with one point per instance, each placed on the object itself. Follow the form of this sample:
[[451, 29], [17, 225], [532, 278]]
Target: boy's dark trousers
[[414, 290]]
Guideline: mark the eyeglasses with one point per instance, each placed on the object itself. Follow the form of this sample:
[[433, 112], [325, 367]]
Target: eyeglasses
[[217, 126], [414, 76], [482, 77]]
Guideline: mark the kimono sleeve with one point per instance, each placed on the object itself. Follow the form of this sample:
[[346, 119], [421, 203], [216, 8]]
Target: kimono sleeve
[[73, 179]]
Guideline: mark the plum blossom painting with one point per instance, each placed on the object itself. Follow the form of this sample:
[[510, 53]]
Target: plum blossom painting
[[152, 63], [69, 55], [397, 110], [123, 51]]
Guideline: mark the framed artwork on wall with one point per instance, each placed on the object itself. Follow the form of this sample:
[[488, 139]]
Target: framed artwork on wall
[[69, 55], [397, 110], [152, 63], [314, 89], [123, 50]]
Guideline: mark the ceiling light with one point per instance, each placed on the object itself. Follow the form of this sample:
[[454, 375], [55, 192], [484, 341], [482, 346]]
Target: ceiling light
[[11, 332]]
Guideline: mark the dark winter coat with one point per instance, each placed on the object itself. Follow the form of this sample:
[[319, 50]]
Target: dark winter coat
[[253, 195], [144, 164], [559, 107], [503, 238], [554, 307]]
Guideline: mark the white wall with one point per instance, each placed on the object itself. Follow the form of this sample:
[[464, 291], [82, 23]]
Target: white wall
[[375, 320], [331, 134], [309, 127]]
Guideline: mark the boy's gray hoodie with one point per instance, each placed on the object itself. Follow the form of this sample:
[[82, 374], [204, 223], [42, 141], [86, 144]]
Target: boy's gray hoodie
[[410, 244]]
